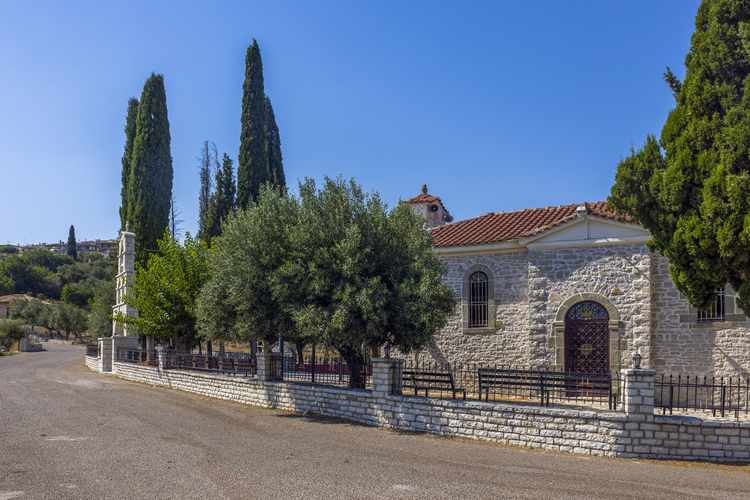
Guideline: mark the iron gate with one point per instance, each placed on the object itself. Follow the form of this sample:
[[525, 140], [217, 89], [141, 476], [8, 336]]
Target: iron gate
[[587, 338]]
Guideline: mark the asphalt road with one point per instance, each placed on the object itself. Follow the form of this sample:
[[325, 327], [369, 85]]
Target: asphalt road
[[66, 432]]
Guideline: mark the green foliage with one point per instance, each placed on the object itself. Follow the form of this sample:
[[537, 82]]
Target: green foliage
[[27, 275], [222, 202], [150, 182], [89, 257], [44, 258], [164, 292], [9, 249], [11, 330], [335, 267], [33, 313], [695, 198], [66, 317], [72, 251], [127, 157], [79, 294], [207, 160], [273, 148], [100, 321], [75, 273], [7, 285], [259, 161], [16, 308]]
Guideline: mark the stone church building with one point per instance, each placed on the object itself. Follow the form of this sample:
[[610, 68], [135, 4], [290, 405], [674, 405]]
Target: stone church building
[[570, 287]]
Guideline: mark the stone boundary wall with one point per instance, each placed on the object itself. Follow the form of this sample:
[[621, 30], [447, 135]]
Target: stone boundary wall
[[635, 434], [93, 363]]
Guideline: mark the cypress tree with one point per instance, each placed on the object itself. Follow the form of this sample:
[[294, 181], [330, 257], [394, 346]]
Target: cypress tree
[[273, 148], [222, 202], [127, 158], [691, 190], [259, 161], [71, 250], [150, 183], [207, 160]]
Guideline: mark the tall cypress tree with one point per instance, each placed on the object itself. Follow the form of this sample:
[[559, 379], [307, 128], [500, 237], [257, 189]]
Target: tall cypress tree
[[207, 160], [127, 158], [222, 202], [273, 147], [695, 198], [150, 183], [260, 147], [71, 250]]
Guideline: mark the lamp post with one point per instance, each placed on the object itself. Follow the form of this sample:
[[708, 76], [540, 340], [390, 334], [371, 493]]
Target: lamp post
[[387, 350], [636, 361]]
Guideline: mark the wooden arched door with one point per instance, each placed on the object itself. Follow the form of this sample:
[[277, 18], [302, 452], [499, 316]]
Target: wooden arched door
[[587, 338]]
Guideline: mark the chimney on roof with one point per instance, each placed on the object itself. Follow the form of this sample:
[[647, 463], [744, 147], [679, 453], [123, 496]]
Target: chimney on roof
[[582, 211]]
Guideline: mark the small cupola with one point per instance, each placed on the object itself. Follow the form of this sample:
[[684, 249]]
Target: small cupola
[[431, 208]]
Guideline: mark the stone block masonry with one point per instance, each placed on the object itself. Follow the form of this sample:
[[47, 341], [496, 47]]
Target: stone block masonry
[[633, 433]]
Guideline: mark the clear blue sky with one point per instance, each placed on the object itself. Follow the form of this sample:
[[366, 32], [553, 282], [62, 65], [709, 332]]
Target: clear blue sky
[[495, 105]]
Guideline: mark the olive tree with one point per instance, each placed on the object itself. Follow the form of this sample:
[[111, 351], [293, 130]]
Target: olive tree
[[334, 266]]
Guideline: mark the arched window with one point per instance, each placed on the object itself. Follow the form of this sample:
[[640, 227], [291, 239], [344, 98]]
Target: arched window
[[478, 300]]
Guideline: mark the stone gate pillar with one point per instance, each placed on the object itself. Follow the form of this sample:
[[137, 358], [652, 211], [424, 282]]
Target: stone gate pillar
[[638, 394], [386, 373]]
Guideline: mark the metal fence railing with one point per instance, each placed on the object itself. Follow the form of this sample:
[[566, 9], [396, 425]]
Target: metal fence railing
[[708, 394], [140, 356], [92, 350], [503, 383], [230, 363], [328, 371]]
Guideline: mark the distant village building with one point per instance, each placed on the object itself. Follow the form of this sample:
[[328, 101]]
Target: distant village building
[[571, 288], [102, 247]]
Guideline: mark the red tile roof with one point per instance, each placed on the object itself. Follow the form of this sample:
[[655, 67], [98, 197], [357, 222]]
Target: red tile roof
[[496, 227]]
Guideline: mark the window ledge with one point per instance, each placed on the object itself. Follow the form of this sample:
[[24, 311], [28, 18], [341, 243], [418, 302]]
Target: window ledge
[[485, 330]]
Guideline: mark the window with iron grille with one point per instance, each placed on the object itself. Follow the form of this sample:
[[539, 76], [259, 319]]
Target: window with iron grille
[[716, 312], [478, 300]]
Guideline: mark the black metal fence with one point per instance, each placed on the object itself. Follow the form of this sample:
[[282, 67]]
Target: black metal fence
[[230, 363], [326, 370], [503, 383], [92, 350], [144, 357], [707, 394]]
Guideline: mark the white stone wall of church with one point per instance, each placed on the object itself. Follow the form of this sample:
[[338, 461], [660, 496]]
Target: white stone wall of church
[[621, 273], [683, 346], [529, 289], [508, 344]]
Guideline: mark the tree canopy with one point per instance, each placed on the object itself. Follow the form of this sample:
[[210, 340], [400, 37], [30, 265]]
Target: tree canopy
[[691, 189], [71, 247], [127, 157], [333, 266], [260, 159], [34, 273], [100, 321], [150, 182], [221, 203]]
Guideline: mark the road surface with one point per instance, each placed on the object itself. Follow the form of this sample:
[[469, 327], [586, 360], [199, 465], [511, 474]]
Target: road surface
[[67, 432]]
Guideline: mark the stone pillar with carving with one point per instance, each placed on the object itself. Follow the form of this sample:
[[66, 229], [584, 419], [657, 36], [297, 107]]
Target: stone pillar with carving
[[122, 339], [125, 275]]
